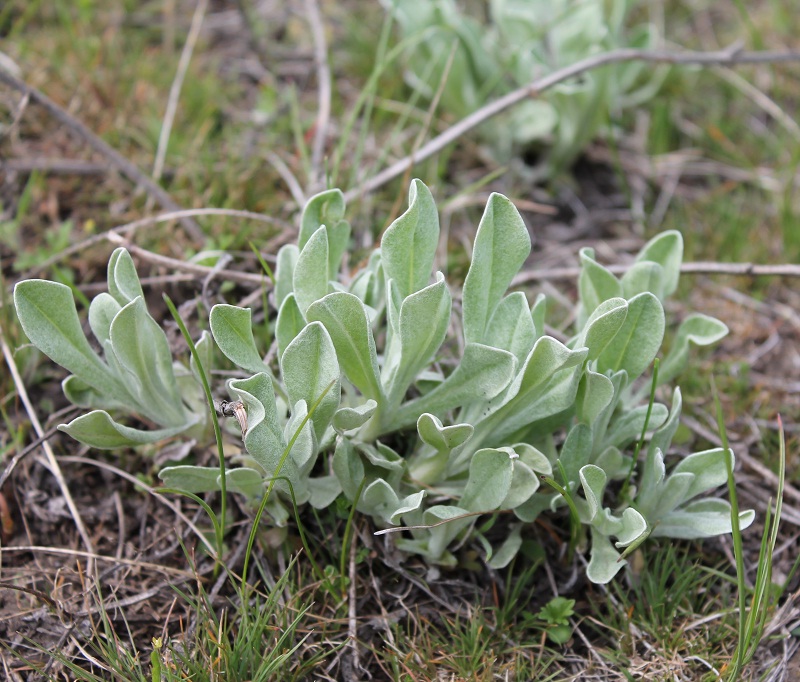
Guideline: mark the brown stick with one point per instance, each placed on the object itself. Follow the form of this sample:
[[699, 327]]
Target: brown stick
[[697, 268], [126, 167], [732, 55]]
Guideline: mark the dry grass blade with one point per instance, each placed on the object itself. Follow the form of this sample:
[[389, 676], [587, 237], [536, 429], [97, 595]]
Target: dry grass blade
[[324, 95], [177, 85], [52, 462], [126, 167]]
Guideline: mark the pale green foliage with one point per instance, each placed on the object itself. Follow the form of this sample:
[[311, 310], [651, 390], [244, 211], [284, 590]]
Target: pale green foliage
[[134, 372], [489, 430], [523, 40], [359, 388]]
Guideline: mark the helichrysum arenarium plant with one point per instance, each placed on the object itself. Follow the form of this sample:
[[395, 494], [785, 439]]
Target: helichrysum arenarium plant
[[464, 60], [405, 442]]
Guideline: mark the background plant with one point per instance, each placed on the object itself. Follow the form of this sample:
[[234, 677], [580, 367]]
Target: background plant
[[476, 61]]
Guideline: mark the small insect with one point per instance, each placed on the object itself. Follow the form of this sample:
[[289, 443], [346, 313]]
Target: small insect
[[230, 408]]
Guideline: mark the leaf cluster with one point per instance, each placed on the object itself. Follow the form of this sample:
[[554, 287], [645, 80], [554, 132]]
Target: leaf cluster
[[473, 60], [360, 406]]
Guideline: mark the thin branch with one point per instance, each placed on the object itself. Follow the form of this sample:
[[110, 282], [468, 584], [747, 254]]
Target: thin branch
[[123, 165], [183, 266], [324, 94], [52, 165], [177, 85], [129, 228], [288, 177], [729, 56], [697, 268]]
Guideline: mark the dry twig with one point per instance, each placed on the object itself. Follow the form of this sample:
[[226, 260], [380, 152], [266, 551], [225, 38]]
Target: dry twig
[[729, 56], [123, 165]]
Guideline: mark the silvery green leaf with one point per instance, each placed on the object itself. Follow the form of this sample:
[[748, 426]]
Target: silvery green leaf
[[79, 393], [489, 482], [613, 463], [409, 244], [532, 119], [628, 426], [619, 381], [141, 347], [537, 503], [324, 490], [409, 504], [653, 470], [380, 456], [46, 311], [350, 418], [232, 328], [380, 500], [424, 318], [697, 329], [289, 324], [593, 480], [98, 430], [547, 357], [604, 564], [701, 519], [502, 245], [205, 351], [191, 479], [346, 320], [709, 468], [638, 340], [348, 467], [304, 447], [369, 283], [511, 326], [666, 249], [123, 282], [634, 527], [309, 366], [325, 208], [538, 311], [311, 271], [667, 497], [394, 302], [602, 326], [595, 393], [434, 433], [443, 534], [576, 452], [644, 276], [245, 481], [508, 550], [284, 272], [362, 284], [595, 283], [264, 438], [547, 384], [102, 310], [534, 458], [481, 375], [524, 483], [338, 238]]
